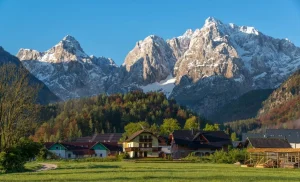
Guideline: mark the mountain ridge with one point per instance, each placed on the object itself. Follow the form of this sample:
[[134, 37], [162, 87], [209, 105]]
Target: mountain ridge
[[226, 57]]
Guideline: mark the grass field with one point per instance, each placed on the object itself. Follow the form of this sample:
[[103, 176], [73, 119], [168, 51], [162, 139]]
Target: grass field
[[130, 171]]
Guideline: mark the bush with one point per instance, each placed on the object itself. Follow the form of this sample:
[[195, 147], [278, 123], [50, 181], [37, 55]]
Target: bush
[[45, 154], [123, 156], [230, 157], [221, 156], [14, 158]]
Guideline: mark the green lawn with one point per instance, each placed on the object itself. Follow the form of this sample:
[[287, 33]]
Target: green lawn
[[130, 171]]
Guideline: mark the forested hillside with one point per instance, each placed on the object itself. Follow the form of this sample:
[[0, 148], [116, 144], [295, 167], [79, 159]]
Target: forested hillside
[[82, 117], [280, 110], [288, 91]]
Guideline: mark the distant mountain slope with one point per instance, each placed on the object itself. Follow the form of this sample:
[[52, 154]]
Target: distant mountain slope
[[244, 107], [45, 95], [289, 90], [282, 108]]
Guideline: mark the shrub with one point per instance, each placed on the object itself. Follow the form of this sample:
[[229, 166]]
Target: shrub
[[14, 158], [221, 156], [45, 154], [232, 156], [122, 156]]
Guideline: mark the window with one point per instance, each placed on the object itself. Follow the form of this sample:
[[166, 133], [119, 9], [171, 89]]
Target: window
[[95, 155], [69, 155], [56, 148], [100, 155]]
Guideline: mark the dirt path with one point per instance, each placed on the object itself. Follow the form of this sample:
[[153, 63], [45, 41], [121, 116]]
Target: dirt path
[[47, 166]]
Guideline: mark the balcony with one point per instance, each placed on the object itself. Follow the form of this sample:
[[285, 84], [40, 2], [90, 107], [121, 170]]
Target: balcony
[[143, 140], [143, 149]]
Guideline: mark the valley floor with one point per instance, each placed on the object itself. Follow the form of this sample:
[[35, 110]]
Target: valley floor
[[130, 171]]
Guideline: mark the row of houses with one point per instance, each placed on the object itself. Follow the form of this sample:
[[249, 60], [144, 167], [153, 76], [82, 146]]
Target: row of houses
[[143, 143], [178, 144]]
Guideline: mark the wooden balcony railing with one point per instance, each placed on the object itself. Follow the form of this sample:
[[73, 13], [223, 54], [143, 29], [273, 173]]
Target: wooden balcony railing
[[143, 149], [145, 140]]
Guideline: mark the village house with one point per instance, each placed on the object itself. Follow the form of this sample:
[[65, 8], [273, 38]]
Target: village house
[[109, 140], [72, 150], [291, 135], [142, 144], [185, 142]]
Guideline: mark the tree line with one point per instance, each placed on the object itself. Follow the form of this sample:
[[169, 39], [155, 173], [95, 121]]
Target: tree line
[[110, 114]]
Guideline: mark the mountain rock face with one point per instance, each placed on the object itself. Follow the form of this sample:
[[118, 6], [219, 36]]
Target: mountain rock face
[[45, 96], [204, 69], [241, 55], [151, 60], [67, 70]]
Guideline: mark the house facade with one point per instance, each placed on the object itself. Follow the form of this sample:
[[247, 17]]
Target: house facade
[[72, 150], [201, 143], [142, 144]]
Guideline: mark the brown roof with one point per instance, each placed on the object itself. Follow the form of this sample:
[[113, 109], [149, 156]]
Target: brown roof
[[134, 135], [269, 143], [215, 139], [72, 145], [99, 137], [48, 144]]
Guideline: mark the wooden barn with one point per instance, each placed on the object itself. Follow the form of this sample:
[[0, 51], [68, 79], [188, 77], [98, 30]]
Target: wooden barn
[[272, 153]]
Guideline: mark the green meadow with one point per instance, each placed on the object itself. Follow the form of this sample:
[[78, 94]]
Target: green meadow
[[158, 171]]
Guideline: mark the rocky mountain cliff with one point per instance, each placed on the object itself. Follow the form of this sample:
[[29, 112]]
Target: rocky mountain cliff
[[204, 69], [45, 96], [67, 70], [224, 61]]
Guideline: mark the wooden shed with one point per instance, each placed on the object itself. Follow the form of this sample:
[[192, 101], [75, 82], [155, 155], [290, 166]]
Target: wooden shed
[[274, 157]]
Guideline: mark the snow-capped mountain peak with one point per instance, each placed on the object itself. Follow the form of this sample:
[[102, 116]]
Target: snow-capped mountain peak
[[67, 70], [212, 20], [70, 42]]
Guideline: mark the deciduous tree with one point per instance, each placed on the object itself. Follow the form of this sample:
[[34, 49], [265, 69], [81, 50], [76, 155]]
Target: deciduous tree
[[18, 110]]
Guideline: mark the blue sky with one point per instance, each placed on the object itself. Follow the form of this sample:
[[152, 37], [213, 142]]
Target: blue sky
[[111, 28]]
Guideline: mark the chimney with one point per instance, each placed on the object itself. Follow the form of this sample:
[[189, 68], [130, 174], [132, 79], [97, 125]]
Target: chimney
[[192, 131]]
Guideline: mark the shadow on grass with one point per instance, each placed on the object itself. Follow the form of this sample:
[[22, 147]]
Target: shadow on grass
[[26, 169]]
